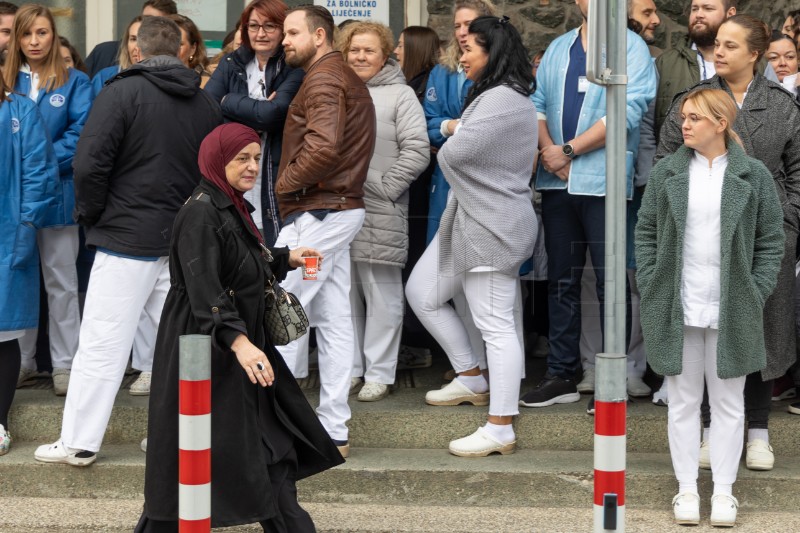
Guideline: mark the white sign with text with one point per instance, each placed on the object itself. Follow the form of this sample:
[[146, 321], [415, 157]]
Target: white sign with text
[[377, 10]]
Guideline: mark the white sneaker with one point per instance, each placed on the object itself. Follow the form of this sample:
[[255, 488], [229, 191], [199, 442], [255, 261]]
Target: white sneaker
[[355, 385], [637, 388], [141, 387], [58, 453], [587, 383], [705, 455], [28, 376], [5, 440], [759, 455], [660, 397], [480, 444], [686, 507], [455, 393], [143, 445], [61, 381], [723, 510], [372, 392]]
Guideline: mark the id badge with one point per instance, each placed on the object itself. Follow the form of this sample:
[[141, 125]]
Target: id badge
[[583, 84]]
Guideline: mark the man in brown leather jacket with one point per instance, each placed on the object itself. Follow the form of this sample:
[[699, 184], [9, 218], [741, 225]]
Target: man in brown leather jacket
[[328, 140]]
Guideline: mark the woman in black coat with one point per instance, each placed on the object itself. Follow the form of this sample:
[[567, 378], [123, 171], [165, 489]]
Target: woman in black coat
[[254, 87], [265, 435]]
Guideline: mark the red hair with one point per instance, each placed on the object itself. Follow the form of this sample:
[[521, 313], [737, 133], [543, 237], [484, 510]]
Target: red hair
[[274, 10]]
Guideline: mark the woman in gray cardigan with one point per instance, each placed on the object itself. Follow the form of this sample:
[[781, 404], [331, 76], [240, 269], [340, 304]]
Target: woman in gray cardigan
[[768, 123], [708, 248], [379, 250], [486, 232]]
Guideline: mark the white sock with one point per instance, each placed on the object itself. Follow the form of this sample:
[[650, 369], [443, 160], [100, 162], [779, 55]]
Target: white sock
[[762, 434], [719, 488], [706, 434], [687, 487], [476, 384], [502, 432]]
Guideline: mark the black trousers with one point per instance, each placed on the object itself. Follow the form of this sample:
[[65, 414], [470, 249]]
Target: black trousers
[[290, 517], [757, 402]]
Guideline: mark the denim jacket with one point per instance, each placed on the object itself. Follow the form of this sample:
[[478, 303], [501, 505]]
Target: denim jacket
[[588, 171]]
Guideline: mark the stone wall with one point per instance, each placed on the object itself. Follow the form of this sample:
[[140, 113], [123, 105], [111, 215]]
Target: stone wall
[[541, 21]]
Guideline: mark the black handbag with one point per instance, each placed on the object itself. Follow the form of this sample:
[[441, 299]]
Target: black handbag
[[285, 320]]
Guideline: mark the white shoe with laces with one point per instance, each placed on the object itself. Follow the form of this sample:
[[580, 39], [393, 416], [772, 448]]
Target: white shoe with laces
[[372, 392], [686, 507], [723, 510], [141, 387]]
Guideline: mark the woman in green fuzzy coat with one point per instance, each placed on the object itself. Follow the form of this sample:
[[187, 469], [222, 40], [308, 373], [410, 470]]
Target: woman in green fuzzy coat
[[709, 243]]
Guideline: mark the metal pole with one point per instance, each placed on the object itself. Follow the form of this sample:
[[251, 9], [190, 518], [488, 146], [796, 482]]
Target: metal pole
[[194, 434], [610, 381]]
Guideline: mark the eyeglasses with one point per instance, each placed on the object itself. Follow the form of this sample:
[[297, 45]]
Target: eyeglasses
[[268, 27]]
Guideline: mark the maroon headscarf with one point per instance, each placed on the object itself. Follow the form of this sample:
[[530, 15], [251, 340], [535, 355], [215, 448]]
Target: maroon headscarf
[[217, 150]]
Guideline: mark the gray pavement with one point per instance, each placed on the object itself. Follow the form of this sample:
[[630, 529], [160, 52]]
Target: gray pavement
[[23, 515]]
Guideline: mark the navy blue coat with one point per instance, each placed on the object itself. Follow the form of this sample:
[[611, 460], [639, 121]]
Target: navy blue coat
[[28, 181], [229, 81]]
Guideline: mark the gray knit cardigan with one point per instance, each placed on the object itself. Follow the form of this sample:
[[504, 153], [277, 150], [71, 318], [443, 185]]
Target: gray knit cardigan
[[489, 220]]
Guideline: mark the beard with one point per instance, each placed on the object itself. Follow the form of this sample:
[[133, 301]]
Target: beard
[[301, 57], [703, 37]]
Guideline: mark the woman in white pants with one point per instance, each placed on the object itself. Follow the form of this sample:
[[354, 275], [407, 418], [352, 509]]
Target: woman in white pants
[[709, 244], [487, 231], [380, 249]]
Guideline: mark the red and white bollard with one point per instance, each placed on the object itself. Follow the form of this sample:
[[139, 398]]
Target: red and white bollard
[[610, 413], [194, 437]]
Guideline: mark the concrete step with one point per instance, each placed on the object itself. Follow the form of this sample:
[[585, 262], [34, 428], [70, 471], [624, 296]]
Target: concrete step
[[535, 478], [32, 515], [403, 420]]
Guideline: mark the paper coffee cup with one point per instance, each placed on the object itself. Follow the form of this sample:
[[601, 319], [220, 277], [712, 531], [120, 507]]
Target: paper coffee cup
[[310, 267]]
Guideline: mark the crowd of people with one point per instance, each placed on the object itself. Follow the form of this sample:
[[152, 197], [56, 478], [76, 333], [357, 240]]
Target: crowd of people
[[432, 181]]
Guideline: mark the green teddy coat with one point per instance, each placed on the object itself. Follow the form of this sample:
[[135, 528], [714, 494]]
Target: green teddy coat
[[752, 243]]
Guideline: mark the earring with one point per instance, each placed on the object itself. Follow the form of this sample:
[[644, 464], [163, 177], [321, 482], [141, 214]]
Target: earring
[[191, 58]]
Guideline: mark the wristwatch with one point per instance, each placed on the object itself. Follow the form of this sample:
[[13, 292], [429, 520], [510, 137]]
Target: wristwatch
[[568, 150]]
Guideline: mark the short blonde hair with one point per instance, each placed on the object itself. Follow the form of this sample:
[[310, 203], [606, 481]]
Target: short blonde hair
[[345, 36], [715, 105]]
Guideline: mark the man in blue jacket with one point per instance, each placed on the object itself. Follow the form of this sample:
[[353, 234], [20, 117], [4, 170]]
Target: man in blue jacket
[[572, 179]]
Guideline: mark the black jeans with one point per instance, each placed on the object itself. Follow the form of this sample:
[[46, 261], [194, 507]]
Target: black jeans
[[573, 223], [757, 402]]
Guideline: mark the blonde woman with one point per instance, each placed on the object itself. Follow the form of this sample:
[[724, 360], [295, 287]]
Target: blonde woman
[[35, 68], [128, 55], [443, 103], [380, 249], [709, 244]]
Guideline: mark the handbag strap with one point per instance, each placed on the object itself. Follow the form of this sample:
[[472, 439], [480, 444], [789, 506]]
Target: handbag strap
[[267, 258]]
